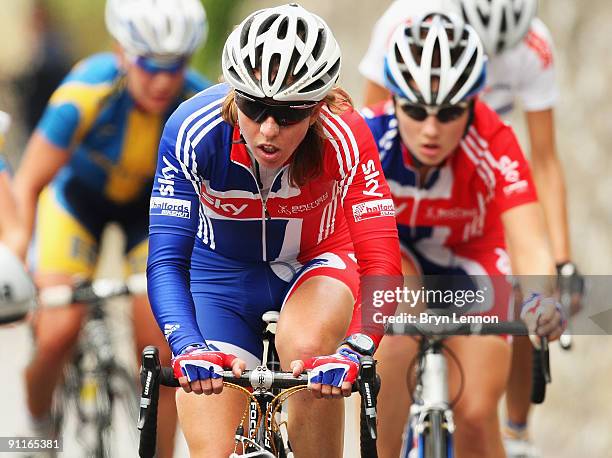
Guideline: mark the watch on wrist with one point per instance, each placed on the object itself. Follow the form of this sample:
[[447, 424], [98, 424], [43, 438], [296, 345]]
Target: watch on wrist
[[361, 343], [566, 269]]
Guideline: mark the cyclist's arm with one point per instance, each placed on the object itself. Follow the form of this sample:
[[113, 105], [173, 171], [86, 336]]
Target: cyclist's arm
[[370, 214], [174, 217], [528, 243], [41, 161], [548, 176], [10, 233]]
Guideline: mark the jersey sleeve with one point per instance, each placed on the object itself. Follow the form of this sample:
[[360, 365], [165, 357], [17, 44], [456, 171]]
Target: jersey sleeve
[[173, 211], [368, 209], [514, 184], [538, 89]]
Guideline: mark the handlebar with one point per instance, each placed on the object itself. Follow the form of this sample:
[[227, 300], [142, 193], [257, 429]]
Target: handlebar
[[153, 375], [90, 292], [541, 375]]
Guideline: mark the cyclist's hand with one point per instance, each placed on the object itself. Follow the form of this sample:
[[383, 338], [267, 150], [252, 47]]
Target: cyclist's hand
[[199, 369], [570, 287], [331, 375], [544, 317]]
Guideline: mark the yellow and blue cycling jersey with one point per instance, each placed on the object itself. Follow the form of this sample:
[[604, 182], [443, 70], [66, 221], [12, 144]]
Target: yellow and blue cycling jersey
[[113, 148], [113, 144]]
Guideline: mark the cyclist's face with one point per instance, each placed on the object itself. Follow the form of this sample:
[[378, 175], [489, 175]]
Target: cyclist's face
[[430, 140], [271, 144], [153, 90]]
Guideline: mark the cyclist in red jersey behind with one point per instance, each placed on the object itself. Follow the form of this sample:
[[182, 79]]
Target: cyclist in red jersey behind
[[269, 195], [461, 188]]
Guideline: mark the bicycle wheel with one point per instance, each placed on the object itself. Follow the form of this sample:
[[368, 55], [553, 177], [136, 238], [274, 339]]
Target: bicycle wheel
[[124, 392], [435, 437]]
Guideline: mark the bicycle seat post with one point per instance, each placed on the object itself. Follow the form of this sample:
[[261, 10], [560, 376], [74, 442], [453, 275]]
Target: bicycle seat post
[[270, 357]]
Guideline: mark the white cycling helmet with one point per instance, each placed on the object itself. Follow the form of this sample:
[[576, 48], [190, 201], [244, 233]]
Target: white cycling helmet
[[284, 53], [17, 292], [435, 48], [160, 28], [501, 24]]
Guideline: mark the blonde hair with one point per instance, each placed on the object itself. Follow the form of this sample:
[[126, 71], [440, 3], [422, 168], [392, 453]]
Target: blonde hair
[[307, 160]]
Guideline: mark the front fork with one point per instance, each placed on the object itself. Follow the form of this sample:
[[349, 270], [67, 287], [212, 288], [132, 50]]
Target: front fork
[[430, 395]]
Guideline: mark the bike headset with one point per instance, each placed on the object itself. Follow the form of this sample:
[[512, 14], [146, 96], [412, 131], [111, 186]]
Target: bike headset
[[166, 30], [436, 47], [501, 24]]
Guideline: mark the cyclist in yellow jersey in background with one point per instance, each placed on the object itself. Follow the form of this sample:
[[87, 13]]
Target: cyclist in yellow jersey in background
[[91, 161]]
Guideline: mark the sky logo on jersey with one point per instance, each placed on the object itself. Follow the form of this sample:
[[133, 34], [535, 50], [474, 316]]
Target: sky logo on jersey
[[373, 209], [166, 206], [371, 176], [166, 184]]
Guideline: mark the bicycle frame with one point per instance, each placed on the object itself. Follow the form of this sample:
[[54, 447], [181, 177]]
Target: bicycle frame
[[430, 395], [92, 375]]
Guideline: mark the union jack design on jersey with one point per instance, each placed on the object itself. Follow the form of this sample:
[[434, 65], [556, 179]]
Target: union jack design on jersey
[[205, 188]]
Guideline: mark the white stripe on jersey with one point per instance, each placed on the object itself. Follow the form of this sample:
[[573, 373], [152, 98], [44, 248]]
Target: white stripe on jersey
[[347, 134], [205, 229]]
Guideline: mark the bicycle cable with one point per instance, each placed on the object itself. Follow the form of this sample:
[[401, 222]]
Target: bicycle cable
[[417, 358]]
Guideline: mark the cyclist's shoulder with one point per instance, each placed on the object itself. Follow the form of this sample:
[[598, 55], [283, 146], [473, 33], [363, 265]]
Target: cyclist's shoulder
[[490, 132], [200, 113], [88, 82], [534, 50], [95, 69], [194, 82], [380, 118]]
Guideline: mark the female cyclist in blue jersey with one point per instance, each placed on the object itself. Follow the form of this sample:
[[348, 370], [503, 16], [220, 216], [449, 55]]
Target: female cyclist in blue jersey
[[268, 196], [461, 188], [91, 161]]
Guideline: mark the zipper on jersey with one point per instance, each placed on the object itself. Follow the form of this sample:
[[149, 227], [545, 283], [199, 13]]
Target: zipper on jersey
[[265, 215], [417, 200]]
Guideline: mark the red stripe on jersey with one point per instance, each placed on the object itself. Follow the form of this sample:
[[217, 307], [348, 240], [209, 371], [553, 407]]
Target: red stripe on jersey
[[541, 47]]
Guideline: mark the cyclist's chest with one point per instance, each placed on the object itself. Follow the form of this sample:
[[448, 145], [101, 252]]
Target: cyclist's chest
[[119, 153], [236, 194], [451, 199]]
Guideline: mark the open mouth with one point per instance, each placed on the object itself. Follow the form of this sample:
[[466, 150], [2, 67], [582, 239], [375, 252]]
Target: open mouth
[[268, 150], [430, 149]]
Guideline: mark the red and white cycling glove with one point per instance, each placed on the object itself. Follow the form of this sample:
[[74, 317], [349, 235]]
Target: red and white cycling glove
[[334, 369], [197, 363]]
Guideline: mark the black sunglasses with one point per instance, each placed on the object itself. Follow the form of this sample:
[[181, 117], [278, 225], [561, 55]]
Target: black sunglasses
[[284, 114], [443, 113]]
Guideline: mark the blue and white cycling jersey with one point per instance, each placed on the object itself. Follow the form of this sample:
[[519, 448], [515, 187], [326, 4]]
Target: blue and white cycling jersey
[[206, 201]]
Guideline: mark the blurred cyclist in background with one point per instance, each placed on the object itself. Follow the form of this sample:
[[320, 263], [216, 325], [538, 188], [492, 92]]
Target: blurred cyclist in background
[[520, 68], [16, 289], [91, 161], [463, 191], [10, 233]]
